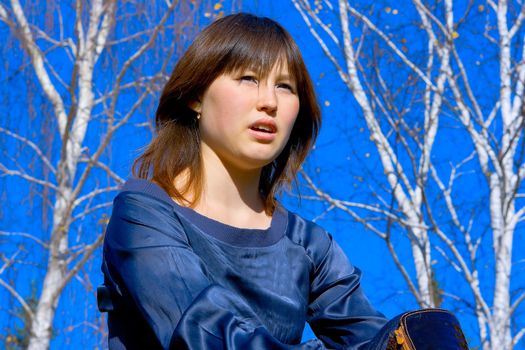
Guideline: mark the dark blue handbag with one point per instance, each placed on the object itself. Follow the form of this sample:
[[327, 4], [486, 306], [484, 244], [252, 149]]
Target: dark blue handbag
[[426, 329]]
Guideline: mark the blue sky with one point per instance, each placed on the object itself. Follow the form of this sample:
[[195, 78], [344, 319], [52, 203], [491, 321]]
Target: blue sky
[[344, 162]]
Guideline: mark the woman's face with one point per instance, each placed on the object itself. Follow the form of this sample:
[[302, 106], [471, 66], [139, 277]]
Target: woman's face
[[246, 120]]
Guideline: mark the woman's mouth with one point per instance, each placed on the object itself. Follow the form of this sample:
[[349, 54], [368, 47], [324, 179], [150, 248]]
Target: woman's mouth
[[263, 130]]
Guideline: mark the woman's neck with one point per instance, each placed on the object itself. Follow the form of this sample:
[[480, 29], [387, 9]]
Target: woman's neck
[[231, 195]]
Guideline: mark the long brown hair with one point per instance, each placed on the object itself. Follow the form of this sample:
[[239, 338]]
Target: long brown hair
[[230, 44]]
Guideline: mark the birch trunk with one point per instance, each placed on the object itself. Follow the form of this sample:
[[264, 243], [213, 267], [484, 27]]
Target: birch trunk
[[93, 25], [495, 135], [42, 322]]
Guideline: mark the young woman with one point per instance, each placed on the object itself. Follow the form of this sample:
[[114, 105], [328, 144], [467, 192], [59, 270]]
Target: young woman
[[198, 253]]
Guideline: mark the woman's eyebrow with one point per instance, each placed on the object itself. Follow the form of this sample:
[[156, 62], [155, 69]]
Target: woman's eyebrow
[[284, 76]]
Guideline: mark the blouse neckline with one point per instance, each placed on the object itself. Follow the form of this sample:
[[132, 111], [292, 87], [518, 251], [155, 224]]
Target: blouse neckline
[[236, 236]]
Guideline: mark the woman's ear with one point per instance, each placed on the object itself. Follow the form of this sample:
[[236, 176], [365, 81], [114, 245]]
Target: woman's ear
[[195, 105]]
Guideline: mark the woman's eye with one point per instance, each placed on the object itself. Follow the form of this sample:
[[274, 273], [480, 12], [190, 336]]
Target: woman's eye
[[248, 78], [286, 87]]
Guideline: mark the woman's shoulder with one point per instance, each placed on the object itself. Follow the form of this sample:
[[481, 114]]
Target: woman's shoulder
[[144, 188], [311, 236], [142, 194], [143, 216]]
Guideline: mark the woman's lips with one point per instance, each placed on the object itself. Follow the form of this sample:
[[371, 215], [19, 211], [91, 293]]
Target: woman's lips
[[263, 130]]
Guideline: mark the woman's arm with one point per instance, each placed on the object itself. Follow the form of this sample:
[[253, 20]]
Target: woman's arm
[[339, 313], [148, 261]]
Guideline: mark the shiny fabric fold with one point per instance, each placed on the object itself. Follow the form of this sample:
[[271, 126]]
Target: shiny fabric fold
[[205, 327]]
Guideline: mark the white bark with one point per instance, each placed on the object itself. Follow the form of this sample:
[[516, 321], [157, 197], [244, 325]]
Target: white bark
[[54, 280], [38, 64], [42, 321], [409, 200]]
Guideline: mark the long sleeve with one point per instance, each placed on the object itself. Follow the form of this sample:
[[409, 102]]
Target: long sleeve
[[339, 313], [151, 268]]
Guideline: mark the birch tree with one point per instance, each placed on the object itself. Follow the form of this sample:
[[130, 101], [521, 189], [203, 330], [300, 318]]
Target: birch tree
[[96, 64], [463, 66]]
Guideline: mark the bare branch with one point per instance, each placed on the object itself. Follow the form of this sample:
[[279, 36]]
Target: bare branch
[[107, 23], [492, 115], [517, 302], [447, 195], [473, 282], [4, 17], [466, 83], [392, 167], [481, 143], [90, 210], [33, 146], [93, 194], [87, 252], [398, 169], [517, 103], [520, 215], [401, 267], [143, 33], [104, 167], [306, 5], [321, 42], [139, 53], [65, 43], [447, 258], [105, 141], [519, 21], [8, 262], [321, 215], [18, 297], [343, 205], [389, 43], [143, 81], [38, 64], [26, 235], [518, 337], [25, 176]]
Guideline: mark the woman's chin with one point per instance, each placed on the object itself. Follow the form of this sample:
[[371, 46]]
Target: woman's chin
[[254, 161]]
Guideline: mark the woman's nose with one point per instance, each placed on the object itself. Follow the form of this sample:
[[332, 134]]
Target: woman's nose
[[267, 99]]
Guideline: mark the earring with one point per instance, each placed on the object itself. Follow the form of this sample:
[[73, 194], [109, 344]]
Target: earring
[[198, 116]]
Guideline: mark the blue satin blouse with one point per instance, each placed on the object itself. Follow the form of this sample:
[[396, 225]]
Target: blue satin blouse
[[179, 281]]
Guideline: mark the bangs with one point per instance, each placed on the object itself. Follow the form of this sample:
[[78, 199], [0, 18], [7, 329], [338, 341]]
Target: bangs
[[261, 57], [257, 44]]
